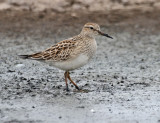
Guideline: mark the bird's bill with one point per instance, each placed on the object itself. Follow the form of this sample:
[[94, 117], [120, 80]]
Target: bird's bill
[[104, 34]]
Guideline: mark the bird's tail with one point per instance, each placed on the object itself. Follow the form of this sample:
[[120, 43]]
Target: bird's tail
[[35, 56], [24, 56]]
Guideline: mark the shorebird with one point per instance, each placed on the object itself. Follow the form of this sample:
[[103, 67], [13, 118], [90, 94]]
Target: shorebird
[[71, 53]]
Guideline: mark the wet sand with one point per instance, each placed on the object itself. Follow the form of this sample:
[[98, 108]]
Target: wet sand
[[123, 78]]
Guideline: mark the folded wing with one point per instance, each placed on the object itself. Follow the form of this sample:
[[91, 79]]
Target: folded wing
[[60, 51]]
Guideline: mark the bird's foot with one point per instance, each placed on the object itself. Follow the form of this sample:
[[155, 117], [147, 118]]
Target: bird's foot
[[67, 89]]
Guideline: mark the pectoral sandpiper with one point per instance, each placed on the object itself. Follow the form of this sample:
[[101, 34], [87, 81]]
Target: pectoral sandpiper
[[71, 53]]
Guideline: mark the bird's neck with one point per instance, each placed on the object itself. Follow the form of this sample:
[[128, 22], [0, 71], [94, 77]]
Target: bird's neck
[[86, 35]]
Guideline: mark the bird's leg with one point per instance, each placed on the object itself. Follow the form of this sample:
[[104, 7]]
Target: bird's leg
[[65, 76], [72, 81]]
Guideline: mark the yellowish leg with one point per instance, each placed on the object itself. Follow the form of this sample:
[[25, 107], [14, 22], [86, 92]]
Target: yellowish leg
[[66, 76], [72, 81]]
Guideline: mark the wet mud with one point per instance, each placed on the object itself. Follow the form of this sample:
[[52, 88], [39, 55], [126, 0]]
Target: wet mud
[[123, 78]]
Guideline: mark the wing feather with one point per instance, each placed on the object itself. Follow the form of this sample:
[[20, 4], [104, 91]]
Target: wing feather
[[60, 51]]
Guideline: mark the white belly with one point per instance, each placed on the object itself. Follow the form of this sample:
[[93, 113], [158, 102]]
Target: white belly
[[72, 64]]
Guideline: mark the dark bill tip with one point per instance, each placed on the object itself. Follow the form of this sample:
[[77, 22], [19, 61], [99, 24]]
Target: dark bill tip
[[107, 35], [104, 34]]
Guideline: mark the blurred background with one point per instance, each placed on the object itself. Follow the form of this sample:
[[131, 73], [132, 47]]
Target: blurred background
[[29, 13], [77, 5]]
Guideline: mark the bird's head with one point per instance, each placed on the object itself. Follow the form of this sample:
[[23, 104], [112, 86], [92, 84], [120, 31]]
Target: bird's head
[[92, 30]]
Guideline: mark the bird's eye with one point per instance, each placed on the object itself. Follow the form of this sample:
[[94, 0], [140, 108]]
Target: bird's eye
[[91, 27]]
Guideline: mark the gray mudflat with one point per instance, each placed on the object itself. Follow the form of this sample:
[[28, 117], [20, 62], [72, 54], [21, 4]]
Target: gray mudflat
[[123, 78]]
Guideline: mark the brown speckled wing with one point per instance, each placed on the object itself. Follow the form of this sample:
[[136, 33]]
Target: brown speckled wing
[[59, 52]]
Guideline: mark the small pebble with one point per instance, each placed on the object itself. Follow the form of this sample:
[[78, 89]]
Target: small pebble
[[93, 111], [20, 65]]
